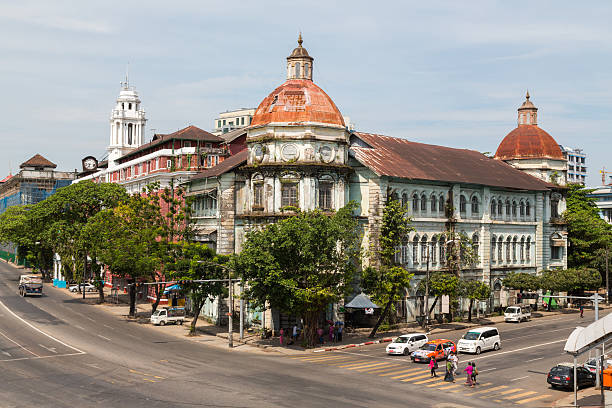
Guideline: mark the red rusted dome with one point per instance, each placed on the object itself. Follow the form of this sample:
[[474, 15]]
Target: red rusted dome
[[297, 101], [528, 142]]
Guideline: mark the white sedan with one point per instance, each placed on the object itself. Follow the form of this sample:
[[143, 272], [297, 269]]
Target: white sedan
[[87, 287], [407, 343]]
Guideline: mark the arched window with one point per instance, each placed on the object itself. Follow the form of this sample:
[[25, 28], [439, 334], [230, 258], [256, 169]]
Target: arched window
[[297, 70], [129, 135], [423, 203], [415, 249], [433, 204], [508, 248], [514, 207], [129, 106], [475, 245], [306, 68], [522, 249], [441, 204], [514, 245], [500, 244], [462, 204], [405, 200], [442, 247], [493, 249], [493, 208], [424, 249], [415, 203], [433, 251], [554, 207], [528, 249], [528, 209], [508, 207], [500, 208], [475, 205], [522, 209]]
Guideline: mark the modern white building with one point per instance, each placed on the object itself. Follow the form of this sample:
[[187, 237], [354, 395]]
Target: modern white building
[[300, 154], [231, 120], [576, 164]]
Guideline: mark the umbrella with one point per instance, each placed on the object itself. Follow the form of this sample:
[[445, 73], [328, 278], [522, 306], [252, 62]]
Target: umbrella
[[171, 288]]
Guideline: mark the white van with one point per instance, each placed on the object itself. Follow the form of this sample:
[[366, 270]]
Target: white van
[[168, 315], [517, 313], [479, 339], [407, 343]]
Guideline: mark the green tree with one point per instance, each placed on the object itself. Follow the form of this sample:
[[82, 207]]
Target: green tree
[[522, 281], [474, 290], [572, 280], [588, 234], [302, 264], [441, 283], [195, 261], [386, 281]]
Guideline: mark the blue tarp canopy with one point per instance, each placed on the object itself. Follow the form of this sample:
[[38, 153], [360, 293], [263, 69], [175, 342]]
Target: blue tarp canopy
[[171, 288], [361, 301]]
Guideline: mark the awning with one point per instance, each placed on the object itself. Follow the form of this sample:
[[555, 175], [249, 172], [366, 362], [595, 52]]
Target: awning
[[361, 301], [171, 288], [200, 192], [204, 230], [557, 242]]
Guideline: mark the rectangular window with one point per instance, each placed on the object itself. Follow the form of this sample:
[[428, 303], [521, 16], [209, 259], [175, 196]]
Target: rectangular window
[[258, 195], [325, 195], [555, 252], [223, 122], [289, 195], [168, 164], [187, 143], [242, 120], [218, 124]]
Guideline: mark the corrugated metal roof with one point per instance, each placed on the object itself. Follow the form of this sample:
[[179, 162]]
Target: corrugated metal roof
[[226, 165], [37, 161], [395, 157], [361, 301]]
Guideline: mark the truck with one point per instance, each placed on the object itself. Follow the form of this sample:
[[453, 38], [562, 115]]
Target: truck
[[30, 285], [167, 315]]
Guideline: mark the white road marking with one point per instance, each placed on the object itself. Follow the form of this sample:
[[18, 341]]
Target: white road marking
[[89, 318], [41, 357], [51, 349], [105, 338], [520, 349], [520, 378], [534, 359], [110, 327], [6, 353], [19, 345], [79, 327], [40, 331], [488, 369]]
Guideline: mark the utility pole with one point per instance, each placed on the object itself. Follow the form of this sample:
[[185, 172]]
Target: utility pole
[[241, 310], [607, 277], [426, 320], [230, 315]]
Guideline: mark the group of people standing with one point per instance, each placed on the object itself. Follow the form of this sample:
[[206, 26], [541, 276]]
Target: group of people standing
[[452, 363], [294, 335], [334, 331]]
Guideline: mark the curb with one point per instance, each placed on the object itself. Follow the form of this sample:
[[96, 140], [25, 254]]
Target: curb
[[367, 343]]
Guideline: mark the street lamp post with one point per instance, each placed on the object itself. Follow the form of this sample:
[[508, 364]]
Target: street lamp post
[[427, 290]]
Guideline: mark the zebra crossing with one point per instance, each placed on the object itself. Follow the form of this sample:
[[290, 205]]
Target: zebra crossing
[[420, 376]]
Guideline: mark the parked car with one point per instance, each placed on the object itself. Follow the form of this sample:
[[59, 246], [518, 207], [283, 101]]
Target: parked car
[[562, 376], [517, 314], [168, 315], [407, 343], [87, 287], [591, 364], [479, 339], [439, 349]]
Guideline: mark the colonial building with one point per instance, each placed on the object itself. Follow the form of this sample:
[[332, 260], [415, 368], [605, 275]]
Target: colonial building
[[301, 155], [37, 179]]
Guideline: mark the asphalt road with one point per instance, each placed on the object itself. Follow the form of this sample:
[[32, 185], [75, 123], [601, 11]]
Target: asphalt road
[[58, 352]]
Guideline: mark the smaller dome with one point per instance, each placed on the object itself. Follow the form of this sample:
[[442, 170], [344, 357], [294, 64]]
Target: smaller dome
[[299, 52], [527, 105], [528, 142]]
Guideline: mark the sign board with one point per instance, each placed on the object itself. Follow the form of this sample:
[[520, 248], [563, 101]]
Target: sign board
[[369, 311], [445, 304]]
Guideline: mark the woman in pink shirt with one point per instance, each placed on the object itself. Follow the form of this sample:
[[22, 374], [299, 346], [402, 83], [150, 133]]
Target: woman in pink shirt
[[469, 369]]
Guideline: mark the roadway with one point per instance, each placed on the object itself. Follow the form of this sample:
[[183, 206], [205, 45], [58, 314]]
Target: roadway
[[57, 352]]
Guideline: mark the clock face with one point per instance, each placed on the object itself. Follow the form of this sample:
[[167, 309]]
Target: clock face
[[289, 152], [90, 164]]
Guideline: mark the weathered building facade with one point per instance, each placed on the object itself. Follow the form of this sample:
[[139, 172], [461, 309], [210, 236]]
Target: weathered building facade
[[301, 155]]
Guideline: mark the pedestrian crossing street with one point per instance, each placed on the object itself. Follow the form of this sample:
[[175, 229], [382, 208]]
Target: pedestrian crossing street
[[420, 375]]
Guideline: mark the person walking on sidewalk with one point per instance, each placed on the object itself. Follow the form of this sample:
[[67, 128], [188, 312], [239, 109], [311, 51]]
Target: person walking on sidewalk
[[455, 363], [340, 326], [320, 333], [294, 334], [281, 336], [433, 365], [581, 310], [469, 370]]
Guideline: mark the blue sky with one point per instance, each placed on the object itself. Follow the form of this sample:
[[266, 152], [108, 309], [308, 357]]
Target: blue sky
[[450, 73]]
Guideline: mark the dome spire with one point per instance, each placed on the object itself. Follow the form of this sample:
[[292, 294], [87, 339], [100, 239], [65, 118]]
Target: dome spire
[[299, 63], [527, 113]]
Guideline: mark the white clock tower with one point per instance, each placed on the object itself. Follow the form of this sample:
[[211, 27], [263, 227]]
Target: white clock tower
[[127, 124]]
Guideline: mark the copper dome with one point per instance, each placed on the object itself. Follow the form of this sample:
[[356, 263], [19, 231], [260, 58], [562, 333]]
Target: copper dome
[[297, 101], [528, 142]]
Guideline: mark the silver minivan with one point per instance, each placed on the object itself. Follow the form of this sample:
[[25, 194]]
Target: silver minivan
[[479, 339]]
